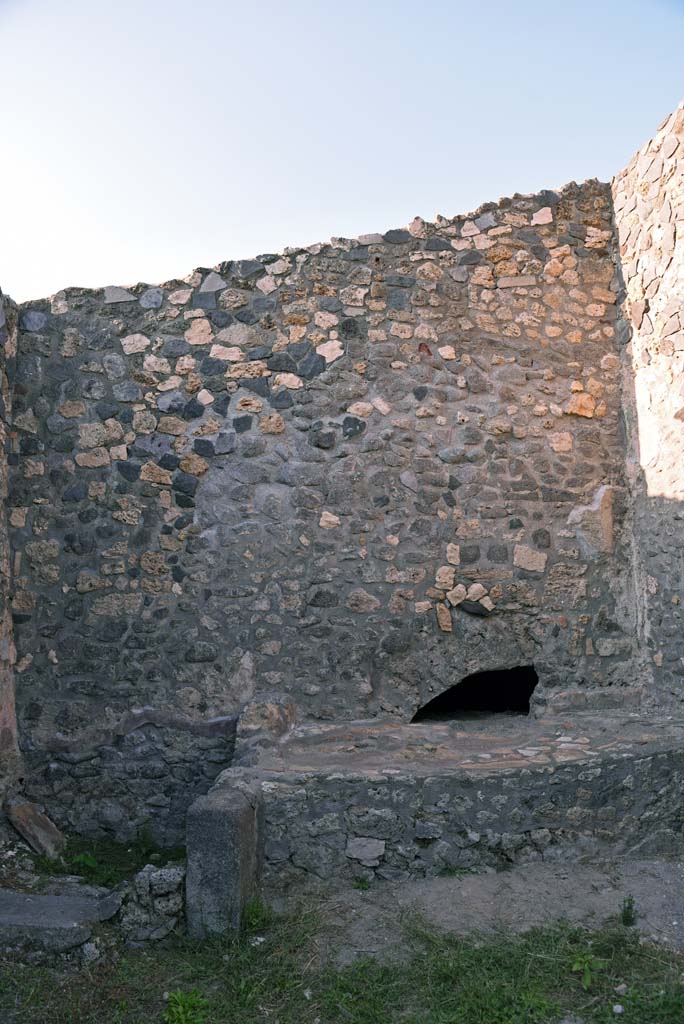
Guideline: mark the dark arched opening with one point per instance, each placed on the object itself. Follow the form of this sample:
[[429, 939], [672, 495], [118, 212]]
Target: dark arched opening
[[502, 690]]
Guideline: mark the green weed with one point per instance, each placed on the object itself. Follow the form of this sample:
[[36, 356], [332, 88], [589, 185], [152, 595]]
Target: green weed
[[186, 1008], [628, 913]]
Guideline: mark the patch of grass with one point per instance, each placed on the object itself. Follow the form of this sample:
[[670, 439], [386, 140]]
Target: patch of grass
[[105, 862], [447, 872], [257, 916], [628, 914], [270, 973], [587, 966], [361, 883], [186, 1008]]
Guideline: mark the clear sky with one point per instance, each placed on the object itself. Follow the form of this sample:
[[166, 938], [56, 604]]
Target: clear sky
[[143, 138]]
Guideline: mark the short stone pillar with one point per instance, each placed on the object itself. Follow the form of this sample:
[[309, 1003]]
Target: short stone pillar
[[222, 861]]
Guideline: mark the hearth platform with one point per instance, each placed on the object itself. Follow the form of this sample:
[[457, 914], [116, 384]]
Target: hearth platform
[[334, 803]]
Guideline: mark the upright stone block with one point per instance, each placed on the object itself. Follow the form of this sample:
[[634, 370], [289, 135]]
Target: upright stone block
[[223, 861]]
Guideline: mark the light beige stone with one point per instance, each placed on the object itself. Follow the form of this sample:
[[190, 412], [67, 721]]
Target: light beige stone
[[113, 430], [444, 577], [133, 343], [382, 406], [194, 464], [154, 474], [93, 459], [199, 333], [561, 442], [144, 422], [330, 350], [241, 371], [528, 558], [267, 284], [329, 520], [180, 296], [456, 595], [362, 409], [27, 421], [444, 618], [453, 554], [353, 296], [399, 330], [288, 380], [523, 281], [581, 404], [170, 384], [250, 403], [227, 353], [273, 424], [233, 298], [543, 216], [92, 435], [325, 320], [171, 425], [156, 364]]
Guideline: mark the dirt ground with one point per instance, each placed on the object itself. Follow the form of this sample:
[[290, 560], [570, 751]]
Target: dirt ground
[[356, 923]]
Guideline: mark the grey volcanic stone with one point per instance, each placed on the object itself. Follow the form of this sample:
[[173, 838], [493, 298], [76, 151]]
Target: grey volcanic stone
[[222, 861], [152, 298], [33, 320], [115, 294], [51, 923]]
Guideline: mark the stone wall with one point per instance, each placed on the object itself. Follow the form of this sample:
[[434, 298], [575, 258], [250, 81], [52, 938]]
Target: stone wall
[[8, 725], [649, 216], [349, 475], [347, 825]]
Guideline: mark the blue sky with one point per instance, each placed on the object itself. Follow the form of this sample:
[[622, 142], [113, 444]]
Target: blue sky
[[143, 139]]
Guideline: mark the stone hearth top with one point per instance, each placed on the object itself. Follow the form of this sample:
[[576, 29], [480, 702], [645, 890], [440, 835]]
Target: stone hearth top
[[475, 746]]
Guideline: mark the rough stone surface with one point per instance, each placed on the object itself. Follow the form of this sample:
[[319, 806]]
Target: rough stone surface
[[648, 197], [34, 827], [394, 803], [348, 475], [9, 762], [223, 861], [153, 904], [51, 924], [368, 476]]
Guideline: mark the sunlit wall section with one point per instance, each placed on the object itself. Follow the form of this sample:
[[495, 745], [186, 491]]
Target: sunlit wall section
[[648, 199]]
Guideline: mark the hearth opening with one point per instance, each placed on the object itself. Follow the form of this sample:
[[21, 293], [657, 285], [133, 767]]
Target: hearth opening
[[501, 690]]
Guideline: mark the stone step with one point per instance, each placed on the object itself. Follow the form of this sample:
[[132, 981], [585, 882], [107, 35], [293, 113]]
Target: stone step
[[51, 923]]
